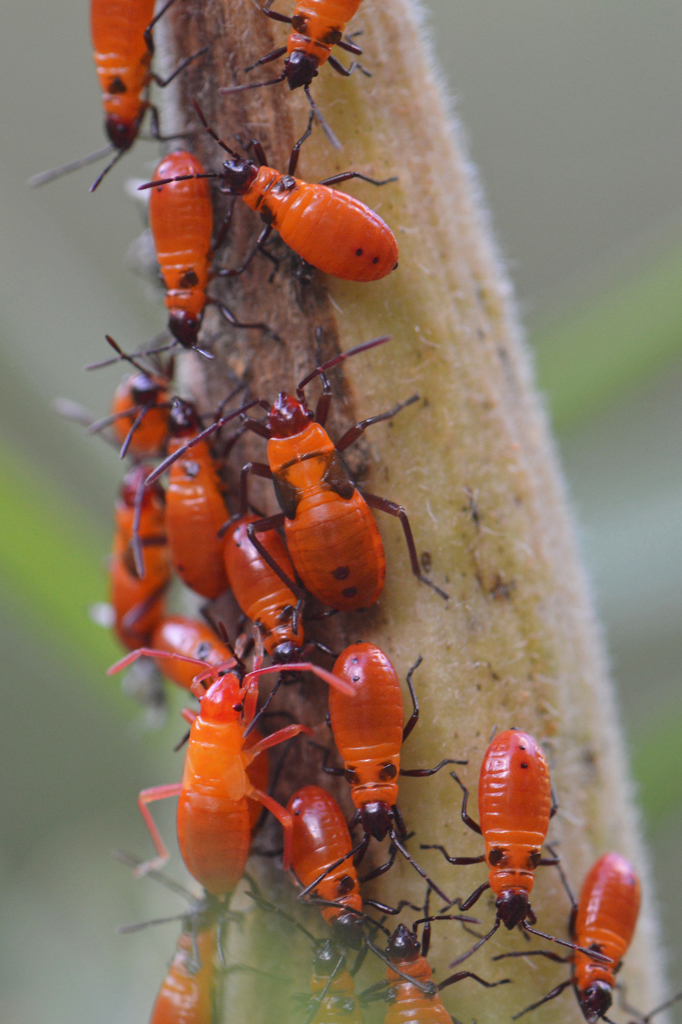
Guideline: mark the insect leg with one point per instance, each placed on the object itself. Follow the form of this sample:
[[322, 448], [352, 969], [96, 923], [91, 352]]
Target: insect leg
[[236, 271], [354, 433], [392, 509], [535, 952], [545, 999], [231, 319], [422, 773], [336, 179], [293, 159], [284, 818], [414, 717], [453, 860], [419, 870], [267, 59], [262, 526], [347, 72], [148, 796], [163, 82]]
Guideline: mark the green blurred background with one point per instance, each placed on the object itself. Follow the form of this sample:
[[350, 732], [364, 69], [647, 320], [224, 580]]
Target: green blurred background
[[572, 112]]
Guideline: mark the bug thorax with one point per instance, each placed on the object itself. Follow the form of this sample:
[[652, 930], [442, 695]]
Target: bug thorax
[[286, 652], [144, 390], [288, 416], [183, 420], [122, 131], [220, 703], [239, 174], [596, 1000], [349, 930], [376, 819], [325, 957], [130, 489], [403, 946], [184, 327], [512, 907], [300, 69]]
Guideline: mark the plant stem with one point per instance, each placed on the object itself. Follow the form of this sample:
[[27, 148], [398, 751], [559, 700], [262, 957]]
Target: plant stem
[[473, 463]]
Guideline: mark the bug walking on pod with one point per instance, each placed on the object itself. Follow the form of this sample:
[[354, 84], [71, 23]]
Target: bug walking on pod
[[138, 602], [331, 230], [515, 806], [413, 998], [331, 534], [181, 222], [123, 47], [213, 814], [140, 407], [603, 920], [322, 860], [368, 731], [316, 27]]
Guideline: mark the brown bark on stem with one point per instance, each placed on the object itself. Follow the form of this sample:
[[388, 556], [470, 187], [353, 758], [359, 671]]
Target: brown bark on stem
[[473, 463]]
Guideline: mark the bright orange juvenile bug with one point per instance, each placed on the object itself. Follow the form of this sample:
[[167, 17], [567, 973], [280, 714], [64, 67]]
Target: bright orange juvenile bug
[[138, 603], [322, 860], [187, 994], [213, 812], [412, 996], [328, 229], [178, 634], [331, 535], [515, 806], [181, 222], [123, 48], [368, 731], [604, 920], [195, 509]]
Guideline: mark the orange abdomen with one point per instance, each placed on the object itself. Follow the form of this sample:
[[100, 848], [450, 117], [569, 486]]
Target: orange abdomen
[[120, 52], [186, 996], [318, 25], [321, 837], [213, 814], [178, 634], [181, 221], [329, 229], [195, 511], [336, 547], [138, 604], [606, 918], [150, 435], [368, 727], [408, 1004], [340, 1004], [259, 592], [514, 803]]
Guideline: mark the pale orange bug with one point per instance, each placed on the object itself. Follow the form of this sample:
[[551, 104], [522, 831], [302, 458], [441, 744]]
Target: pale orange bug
[[213, 813]]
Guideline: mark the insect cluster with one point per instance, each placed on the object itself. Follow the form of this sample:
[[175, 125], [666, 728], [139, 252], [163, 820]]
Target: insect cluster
[[321, 554]]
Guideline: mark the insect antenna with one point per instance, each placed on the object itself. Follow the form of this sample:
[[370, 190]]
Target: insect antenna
[[338, 359], [106, 170], [58, 172], [322, 121]]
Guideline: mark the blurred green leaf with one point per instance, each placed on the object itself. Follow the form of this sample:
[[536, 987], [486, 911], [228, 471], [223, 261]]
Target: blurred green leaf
[[657, 765], [590, 358], [52, 561]]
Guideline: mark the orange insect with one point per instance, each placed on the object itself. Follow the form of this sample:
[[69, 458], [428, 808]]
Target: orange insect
[[328, 229], [123, 48], [604, 920], [331, 535], [515, 806], [368, 732], [195, 509], [213, 813], [181, 222], [412, 996], [322, 860], [187, 995], [138, 603], [178, 634]]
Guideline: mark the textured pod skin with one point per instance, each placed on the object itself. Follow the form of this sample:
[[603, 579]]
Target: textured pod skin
[[318, 25], [195, 511], [331, 534], [122, 60], [150, 435], [259, 592], [409, 1005], [181, 221], [128, 593], [178, 634], [368, 727], [187, 996], [329, 229], [606, 919], [213, 814], [321, 837], [514, 804]]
